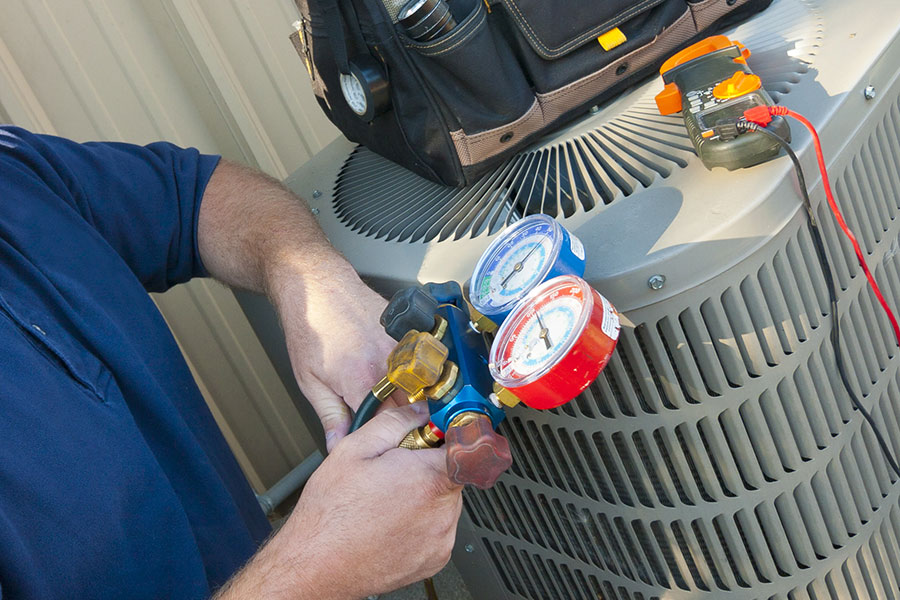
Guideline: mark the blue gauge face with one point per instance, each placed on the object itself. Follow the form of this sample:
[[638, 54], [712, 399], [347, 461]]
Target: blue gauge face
[[516, 265]]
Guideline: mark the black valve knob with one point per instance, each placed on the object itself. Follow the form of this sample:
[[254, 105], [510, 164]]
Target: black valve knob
[[410, 308]]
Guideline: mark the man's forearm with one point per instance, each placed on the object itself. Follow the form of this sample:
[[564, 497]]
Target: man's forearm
[[251, 227], [275, 573], [255, 234]]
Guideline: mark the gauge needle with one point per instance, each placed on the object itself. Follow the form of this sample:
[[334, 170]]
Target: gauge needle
[[518, 266], [515, 269], [544, 334]]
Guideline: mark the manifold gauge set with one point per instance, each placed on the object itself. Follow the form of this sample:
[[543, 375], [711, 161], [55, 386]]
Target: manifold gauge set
[[555, 332], [531, 331]]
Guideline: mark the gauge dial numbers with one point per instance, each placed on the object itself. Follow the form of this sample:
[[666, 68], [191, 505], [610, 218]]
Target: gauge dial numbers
[[555, 343], [519, 266], [541, 334], [529, 252]]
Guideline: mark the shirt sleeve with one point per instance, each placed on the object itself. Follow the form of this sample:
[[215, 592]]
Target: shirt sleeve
[[143, 200]]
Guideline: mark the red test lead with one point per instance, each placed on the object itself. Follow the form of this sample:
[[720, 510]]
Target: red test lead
[[762, 116]]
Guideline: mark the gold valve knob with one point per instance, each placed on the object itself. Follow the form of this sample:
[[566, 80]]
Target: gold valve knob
[[417, 362]]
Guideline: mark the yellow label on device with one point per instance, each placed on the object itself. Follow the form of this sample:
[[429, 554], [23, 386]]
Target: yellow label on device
[[612, 38]]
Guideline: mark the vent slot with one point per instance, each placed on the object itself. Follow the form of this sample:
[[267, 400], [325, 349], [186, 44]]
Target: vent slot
[[668, 546], [740, 573], [650, 463], [688, 554], [614, 468]]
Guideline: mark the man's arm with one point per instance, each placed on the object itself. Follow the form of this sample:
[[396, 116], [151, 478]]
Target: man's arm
[[373, 517], [255, 234]]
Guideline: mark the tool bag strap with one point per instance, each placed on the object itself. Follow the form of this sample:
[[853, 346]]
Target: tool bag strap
[[335, 30]]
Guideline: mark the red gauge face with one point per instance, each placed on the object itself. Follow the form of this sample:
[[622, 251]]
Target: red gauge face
[[555, 342]]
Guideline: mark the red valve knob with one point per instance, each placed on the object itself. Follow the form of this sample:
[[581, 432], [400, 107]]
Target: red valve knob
[[476, 454]]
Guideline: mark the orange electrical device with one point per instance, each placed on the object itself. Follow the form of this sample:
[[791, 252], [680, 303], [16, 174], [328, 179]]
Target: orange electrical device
[[711, 85]]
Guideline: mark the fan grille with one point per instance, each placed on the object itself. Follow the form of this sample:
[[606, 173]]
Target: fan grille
[[604, 159]]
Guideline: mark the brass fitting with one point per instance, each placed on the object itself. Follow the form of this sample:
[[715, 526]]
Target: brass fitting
[[506, 397], [440, 327], [439, 389], [383, 389], [466, 418], [417, 362], [445, 383], [421, 438], [481, 322]]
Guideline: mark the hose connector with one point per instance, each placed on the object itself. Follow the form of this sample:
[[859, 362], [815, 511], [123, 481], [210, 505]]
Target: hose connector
[[427, 436]]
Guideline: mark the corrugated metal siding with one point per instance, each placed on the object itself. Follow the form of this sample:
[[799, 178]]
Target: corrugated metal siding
[[219, 75]]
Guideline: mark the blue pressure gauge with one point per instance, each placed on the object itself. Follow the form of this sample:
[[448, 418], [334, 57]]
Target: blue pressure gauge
[[526, 254]]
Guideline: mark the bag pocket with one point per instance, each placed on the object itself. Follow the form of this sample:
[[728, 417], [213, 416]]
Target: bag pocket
[[558, 43], [553, 29], [473, 74]]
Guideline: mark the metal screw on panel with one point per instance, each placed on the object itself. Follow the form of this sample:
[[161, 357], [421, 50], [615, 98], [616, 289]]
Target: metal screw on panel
[[316, 193], [657, 282], [470, 548], [314, 211], [869, 92], [595, 109], [373, 597]]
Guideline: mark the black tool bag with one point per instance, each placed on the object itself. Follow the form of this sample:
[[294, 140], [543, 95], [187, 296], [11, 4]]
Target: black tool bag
[[507, 71]]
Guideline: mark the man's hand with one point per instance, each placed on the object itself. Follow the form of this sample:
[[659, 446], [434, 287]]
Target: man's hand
[[255, 234], [338, 349], [372, 518]]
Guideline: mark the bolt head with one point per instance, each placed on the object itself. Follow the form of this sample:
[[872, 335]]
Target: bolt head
[[317, 193], [314, 211], [869, 92], [657, 282], [470, 548], [595, 109]]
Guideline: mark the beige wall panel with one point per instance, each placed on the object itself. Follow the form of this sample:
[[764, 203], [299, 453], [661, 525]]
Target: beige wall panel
[[18, 104], [220, 75], [249, 400], [272, 74]]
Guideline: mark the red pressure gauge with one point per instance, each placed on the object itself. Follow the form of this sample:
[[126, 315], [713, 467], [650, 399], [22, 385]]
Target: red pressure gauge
[[555, 342]]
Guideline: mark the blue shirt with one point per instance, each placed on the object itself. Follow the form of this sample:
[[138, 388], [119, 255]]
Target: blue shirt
[[115, 481]]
